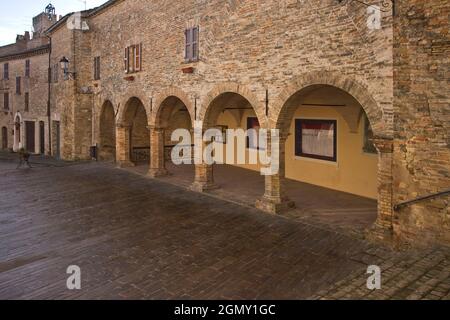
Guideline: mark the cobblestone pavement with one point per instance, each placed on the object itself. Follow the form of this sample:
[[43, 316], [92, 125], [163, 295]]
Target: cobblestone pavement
[[137, 238]]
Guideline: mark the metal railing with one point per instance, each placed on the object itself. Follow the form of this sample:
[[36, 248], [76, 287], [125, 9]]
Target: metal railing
[[399, 206]]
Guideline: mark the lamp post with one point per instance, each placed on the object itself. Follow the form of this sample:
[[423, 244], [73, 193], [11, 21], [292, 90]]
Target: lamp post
[[64, 63]]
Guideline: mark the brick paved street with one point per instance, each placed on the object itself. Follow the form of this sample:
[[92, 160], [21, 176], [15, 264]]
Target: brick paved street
[[136, 238]]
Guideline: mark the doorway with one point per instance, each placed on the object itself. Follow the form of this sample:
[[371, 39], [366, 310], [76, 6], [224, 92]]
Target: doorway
[[41, 137], [30, 136], [4, 138]]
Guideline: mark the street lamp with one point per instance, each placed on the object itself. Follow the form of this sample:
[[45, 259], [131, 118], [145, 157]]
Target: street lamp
[[64, 63]]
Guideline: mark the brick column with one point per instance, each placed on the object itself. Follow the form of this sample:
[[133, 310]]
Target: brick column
[[275, 199], [204, 173], [204, 178], [123, 146], [383, 228], [157, 159]]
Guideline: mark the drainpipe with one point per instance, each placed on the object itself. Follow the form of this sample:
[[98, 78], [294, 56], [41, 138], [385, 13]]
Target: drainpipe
[[49, 97]]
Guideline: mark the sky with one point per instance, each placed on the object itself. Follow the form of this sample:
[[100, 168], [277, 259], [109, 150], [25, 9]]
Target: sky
[[16, 15]]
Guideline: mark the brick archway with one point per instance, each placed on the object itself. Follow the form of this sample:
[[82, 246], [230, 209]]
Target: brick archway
[[234, 88], [174, 111], [107, 131], [125, 103], [281, 113], [241, 97], [166, 94], [132, 123], [275, 199]]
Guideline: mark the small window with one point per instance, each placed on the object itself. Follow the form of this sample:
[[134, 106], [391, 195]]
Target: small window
[[6, 100], [316, 139], [27, 101], [133, 58], [192, 44], [27, 68], [369, 146], [6, 71], [18, 85], [97, 68]]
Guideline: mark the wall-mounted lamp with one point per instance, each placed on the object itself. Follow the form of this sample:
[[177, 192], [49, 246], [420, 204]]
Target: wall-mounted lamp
[[64, 63]]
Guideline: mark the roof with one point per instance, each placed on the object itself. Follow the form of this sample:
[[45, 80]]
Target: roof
[[24, 53], [85, 13]]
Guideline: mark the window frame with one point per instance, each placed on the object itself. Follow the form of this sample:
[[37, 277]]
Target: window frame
[[27, 68], [97, 72], [6, 101], [6, 71], [133, 58], [192, 47], [27, 101], [18, 85], [298, 141]]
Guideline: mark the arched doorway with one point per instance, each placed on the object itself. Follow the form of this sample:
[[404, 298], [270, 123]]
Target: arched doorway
[[4, 138], [172, 114], [329, 164], [132, 136], [240, 180], [107, 147], [17, 133]]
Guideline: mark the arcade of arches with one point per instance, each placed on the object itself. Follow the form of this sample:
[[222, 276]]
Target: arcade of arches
[[329, 164]]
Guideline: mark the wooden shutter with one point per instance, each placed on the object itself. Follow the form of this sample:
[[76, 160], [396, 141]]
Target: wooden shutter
[[138, 57], [18, 81], [195, 47], [27, 68], [188, 49], [6, 71], [27, 101], [127, 60], [97, 68], [6, 100]]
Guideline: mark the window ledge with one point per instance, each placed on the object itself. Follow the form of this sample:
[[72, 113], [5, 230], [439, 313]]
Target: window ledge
[[318, 161]]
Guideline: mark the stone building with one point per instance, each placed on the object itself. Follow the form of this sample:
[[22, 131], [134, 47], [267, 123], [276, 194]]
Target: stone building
[[24, 89], [360, 95]]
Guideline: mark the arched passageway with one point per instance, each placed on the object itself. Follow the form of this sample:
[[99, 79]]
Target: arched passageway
[[107, 145], [329, 161], [172, 114], [242, 179], [132, 135]]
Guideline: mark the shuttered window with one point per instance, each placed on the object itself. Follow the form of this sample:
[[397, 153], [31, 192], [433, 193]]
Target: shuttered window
[[6, 71], [27, 68], [6, 100], [192, 44], [27, 101], [18, 85], [97, 68], [133, 58]]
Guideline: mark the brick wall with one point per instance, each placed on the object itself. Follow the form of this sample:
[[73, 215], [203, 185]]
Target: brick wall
[[422, 119]]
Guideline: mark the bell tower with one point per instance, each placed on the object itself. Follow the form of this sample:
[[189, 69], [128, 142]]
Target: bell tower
[[44, 20]]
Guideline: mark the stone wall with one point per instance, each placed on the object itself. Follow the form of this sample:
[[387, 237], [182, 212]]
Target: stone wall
[[36, 85], [422, 119]]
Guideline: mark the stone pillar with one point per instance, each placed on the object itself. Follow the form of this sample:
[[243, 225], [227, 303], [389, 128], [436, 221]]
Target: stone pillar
[[123, 144], [157, 158], [275, 199], [204, 178], [204, 173], [383, 228]]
